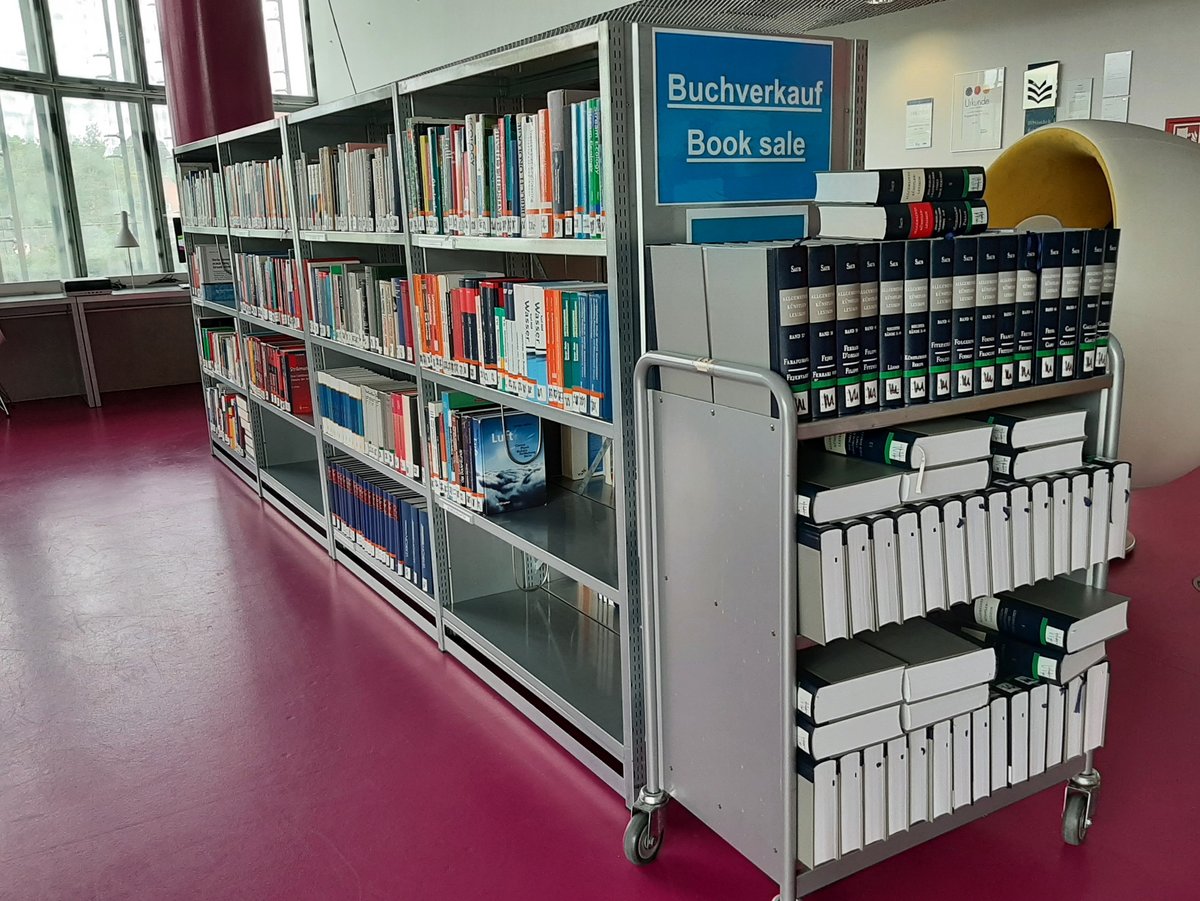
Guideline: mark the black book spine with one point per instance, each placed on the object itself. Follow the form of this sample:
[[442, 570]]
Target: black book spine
[[891, 324], [1016, 659], [1018, 619], [868, 293], [962, 358], [1089, 306], [1006, 313], [916, 185], [890, 446], [941, 316], [1027, 304], [790, 344], [987, 324], [1112, 245], [849, 330], [807, 687], [934, 220], [1070, 298], [1049, 291], [822, 330], [916, 322], [487, 309]]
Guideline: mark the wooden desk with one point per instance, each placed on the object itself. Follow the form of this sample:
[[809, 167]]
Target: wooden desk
[[79, 306]]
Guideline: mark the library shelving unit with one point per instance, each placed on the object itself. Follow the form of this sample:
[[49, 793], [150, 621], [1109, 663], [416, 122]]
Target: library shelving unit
[[722, 739]]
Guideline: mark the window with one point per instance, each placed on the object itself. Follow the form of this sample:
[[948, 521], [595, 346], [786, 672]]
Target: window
[[85, 133], [33, 236]]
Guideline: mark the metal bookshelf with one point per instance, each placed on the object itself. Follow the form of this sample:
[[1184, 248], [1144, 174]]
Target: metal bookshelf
[[722, 737]]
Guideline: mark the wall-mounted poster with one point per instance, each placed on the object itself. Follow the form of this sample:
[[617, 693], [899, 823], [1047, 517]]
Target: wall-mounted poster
[[1185, 127], [978, 110]]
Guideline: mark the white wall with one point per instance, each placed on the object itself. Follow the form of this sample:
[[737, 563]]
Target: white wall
[[389, 39], [916, 54]]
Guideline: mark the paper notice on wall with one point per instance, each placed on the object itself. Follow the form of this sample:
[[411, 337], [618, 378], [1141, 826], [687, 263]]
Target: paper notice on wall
[[918, 124], [978, 110], [1117, 70], [1076, 97], [1115, 109]]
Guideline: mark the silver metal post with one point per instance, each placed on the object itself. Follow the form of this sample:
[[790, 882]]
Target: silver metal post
[[788, 626]]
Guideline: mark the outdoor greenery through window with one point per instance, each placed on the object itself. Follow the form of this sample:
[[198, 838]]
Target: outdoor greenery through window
[[86, 133]]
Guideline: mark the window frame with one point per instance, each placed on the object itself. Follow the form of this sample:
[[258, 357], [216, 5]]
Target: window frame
[[140, 93]]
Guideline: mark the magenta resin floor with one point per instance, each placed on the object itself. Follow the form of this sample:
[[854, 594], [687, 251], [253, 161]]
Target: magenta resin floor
[[196, 703]]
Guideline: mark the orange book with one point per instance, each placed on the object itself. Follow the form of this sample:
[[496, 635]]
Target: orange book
[[554, 345], [547, 174]]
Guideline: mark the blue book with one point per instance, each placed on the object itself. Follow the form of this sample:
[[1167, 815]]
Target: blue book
[[510, 461], [426, 553]]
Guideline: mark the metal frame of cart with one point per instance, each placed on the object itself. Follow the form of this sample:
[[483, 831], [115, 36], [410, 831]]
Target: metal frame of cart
[[717, 537]]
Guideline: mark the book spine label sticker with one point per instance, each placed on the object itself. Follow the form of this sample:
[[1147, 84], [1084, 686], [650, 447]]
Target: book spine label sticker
[[804, 703]]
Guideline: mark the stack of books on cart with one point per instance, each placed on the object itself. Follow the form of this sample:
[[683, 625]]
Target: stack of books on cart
[[899, 523], [914, 721]]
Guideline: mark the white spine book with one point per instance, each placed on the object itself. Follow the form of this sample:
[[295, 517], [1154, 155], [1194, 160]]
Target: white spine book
[[978, 556], [897, 785], [1061, 525], [1118, 518], [1020, 505], [851, 806], [912, 583], [1081, 519], [998, 724], [933, 558], [919, 748], [861, 577], [981, 754], [1056, 710], [1100, 511], [954, 540], [887, 570], [962, 752], [999, 518], [817, 815], [1038, 704], [874, 781], [1095, 706], [1075, 716], [1018, 740], [941, 770]]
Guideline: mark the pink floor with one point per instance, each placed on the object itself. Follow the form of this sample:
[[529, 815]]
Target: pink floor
[[196, 703]]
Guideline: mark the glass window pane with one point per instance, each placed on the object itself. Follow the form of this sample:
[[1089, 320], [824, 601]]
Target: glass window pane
[[33, 242], [152, 42], [165, 139], [20, 47], [111, 174], [91, 39], [287, 48]]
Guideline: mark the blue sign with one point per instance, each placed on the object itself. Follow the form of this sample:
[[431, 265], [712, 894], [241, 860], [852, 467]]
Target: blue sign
[[740, 118]]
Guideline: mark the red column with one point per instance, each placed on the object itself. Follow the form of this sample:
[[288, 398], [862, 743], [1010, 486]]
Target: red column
[[215, 57]]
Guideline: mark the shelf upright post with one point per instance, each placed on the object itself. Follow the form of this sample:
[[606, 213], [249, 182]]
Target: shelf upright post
[[439, 543]]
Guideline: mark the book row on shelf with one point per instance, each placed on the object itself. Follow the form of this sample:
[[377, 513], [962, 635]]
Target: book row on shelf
[[855, 326], [387, 521], [911, 776], [364, 305], [229, 420], [277, 367], [219, 351], [210, 274], [350, 187], [257, 194], [269, 287], [374, 415], [484, 458], [201, 196], [935, 526], [546, 342], [533, 175]]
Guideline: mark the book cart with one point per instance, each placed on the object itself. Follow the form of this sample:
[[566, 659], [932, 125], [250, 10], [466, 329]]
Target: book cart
[[720, 627]]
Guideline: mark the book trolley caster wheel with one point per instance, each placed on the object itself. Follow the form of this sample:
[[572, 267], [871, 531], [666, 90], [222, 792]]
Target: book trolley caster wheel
[[1079, 807], [643, 837]]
